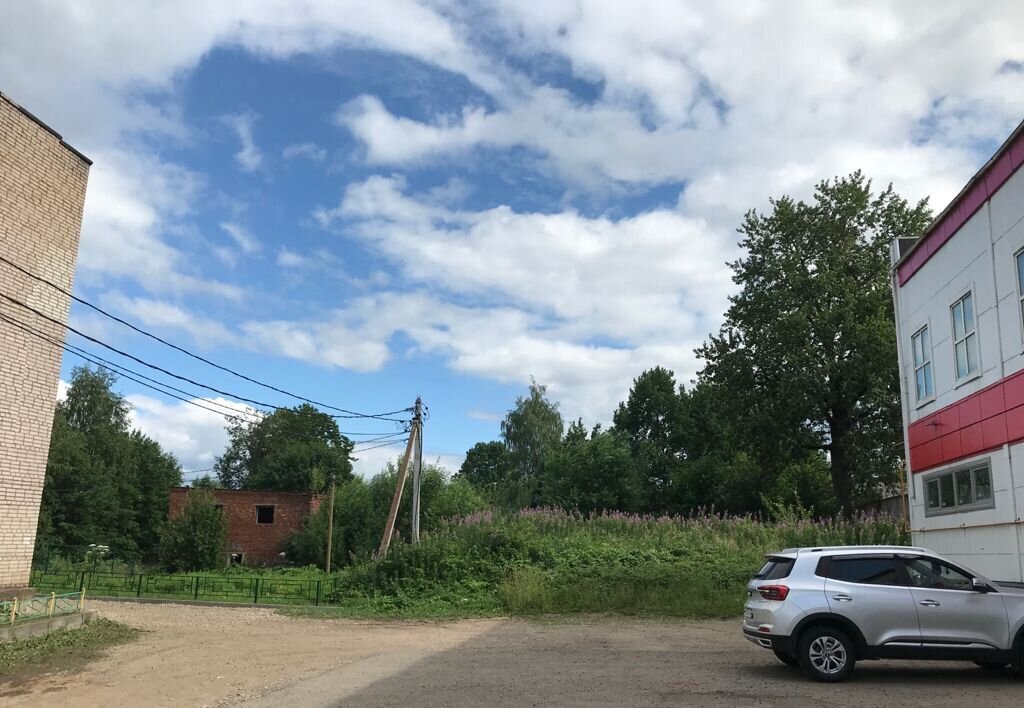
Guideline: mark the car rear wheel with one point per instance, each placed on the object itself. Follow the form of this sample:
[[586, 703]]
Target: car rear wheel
[[787, 659], [826, 654]]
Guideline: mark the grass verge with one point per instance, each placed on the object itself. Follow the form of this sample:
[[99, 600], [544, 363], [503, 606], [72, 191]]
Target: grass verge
[[66, 649]]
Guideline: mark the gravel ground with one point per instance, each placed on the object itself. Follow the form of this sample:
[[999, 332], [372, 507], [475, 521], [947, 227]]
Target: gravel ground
[[254, 658]]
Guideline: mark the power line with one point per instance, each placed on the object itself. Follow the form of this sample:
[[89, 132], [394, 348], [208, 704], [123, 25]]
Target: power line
[[383, 437], [374, 447], [235, 415], [348, 413], [165, 371]]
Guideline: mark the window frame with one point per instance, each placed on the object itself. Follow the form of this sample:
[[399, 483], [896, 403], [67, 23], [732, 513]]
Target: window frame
[[927, 365], [824, 568], [273, 514], [1018, 254], [968, 337], [905, 560], [952, 473]]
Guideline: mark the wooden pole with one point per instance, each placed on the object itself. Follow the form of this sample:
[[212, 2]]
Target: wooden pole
[[417, 469], [330, 528], [389, 527]]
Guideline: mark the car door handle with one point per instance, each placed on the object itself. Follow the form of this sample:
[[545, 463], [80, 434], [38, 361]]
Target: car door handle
[[842, 597], [930, 603]]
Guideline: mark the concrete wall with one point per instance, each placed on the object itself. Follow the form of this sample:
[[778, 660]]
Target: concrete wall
[[42, 192], [260, 544]]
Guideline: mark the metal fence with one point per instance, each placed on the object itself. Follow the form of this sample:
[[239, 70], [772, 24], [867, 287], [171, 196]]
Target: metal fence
[[41, 606], [211, 588]]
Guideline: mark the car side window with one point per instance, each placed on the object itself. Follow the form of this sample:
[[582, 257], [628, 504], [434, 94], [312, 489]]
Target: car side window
[[936, 575], [871, 570]]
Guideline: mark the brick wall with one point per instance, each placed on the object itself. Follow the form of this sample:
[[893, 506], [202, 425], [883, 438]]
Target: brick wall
[[260, 544], [42, 192]]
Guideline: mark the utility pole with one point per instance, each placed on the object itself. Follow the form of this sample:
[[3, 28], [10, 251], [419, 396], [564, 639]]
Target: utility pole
[[417, 470], [389, 526], [330, 527]]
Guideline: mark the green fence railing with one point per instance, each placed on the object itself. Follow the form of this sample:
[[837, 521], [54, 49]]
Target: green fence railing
[[41, 606], [210, 588]]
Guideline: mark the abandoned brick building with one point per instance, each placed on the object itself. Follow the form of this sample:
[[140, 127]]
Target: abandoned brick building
[[259, 522]]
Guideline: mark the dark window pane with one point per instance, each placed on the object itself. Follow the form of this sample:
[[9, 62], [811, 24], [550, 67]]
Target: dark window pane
[[866, 571], [264, 515], [933, 494], [775, 569], [936, 575], [964, 493], [946, 497], [982, 484]]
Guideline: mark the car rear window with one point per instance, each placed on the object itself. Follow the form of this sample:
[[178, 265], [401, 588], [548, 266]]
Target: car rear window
[[775, 569], [865, 571]]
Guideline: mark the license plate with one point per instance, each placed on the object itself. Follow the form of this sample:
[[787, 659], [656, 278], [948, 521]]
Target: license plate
[[748, 614]]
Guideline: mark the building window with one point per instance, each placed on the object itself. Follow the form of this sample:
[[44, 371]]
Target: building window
[[922, 346], [965, 338], [965, 489], [219, 507], [264, 515], [1020, 280]]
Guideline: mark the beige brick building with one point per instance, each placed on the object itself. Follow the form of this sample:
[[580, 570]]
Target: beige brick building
[[42, 192]]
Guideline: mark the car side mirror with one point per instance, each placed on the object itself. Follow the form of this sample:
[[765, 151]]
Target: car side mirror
[[979, 585]]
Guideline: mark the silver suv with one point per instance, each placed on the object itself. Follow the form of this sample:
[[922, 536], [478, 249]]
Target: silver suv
[[825, 608]]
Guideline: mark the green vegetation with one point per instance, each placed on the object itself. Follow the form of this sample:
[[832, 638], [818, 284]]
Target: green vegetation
[[197, 538], [62, 650]]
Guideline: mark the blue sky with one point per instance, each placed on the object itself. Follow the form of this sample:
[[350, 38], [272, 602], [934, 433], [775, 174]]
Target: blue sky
[[368, 202]]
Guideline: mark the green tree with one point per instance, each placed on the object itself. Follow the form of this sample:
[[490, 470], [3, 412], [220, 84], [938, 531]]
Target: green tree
[[590, 474], [293, 449], [105, 483], [489, 468], [197, 538], [654, 420], [807, 354], [529, 430]]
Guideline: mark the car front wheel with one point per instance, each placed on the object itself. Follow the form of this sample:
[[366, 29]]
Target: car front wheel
[[826, 654]]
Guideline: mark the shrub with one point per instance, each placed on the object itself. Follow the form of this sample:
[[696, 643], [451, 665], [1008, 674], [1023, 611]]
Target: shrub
[[196, 539]]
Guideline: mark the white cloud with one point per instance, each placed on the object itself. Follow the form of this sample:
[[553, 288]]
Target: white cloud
[[158, 314], [485, 416], [241, 236], [307, 151], [194, 435], [248, 157], [287, 258]]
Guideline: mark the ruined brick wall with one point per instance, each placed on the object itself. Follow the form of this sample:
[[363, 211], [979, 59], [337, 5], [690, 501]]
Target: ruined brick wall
[[42, 192], [259, 543]]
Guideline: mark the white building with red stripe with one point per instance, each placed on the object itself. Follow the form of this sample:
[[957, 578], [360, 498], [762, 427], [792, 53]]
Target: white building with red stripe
[[959, 304]]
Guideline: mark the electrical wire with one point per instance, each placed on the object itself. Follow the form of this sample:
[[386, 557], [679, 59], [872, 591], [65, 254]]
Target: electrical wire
[[235, 415], [165, 371], [347, 413], [374, 447]]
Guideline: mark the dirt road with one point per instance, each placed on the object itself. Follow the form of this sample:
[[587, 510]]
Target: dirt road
[[253, 658]]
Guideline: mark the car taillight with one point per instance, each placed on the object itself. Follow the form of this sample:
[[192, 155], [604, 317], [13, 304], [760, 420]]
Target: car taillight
[[774, 592]]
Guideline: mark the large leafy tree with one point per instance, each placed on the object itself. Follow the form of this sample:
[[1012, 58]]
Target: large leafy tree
[[489, 468], [590, 474], [197, 538], [293, 449], [529, 430], [655, 421], [806, 357], [105, 483]]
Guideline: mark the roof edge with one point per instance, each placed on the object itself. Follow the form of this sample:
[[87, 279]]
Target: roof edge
[[978, 176], [35, 119]]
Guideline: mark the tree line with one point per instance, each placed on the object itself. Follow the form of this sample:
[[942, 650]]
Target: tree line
[[797, 402]]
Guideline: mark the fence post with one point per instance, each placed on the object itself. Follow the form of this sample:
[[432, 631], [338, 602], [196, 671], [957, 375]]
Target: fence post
[[14, 610], [195, 593], [256, 592], [50, 604], [138, 593], [318, 592], [81, 580], [81, 601]]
